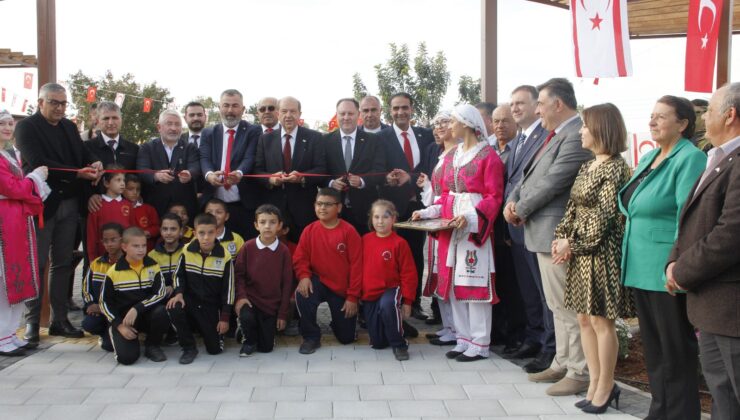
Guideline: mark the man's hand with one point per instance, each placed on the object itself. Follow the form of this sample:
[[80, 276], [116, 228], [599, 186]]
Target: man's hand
[[216, 178], [222, 327], [164, 176], [406, 309], [305, 287], [339, 184], [281, 323], [93, 309], [129, 333], [392, 178], [671, 285], [234, 177], [276, 179], [349, 309], [184, 176], [89, 173], [94, 203], [130, 319], [354, 181], [174, 300], [240, 303], [402, 176], [293, 177]]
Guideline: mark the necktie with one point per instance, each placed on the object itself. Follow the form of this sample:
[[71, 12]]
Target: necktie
[[522, 140], [544, 145], [112, 145], [287, 153], [269, 130], [196, 138], [229, 146], [716, 158], [347, 152], [407, 150]]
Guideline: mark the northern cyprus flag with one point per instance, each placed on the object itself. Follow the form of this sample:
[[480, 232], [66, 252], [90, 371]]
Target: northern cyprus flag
[[601, 38]]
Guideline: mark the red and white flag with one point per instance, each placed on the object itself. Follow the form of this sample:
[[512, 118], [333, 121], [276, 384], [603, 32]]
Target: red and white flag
[[120, 97], [701, 44], [92, 93], [4, 92], [333, 123], [601, 38], [28, 80], [147, 105]]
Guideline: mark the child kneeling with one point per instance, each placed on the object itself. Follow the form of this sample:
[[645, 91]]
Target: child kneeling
[[388, 280]]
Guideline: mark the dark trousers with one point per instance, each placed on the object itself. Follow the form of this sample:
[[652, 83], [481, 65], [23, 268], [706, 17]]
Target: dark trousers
[[540, 327], [358, 221], [241, 220], [385, 320], [96, 325], [720, 362], [198, 316], [670, 348], [415, 239], [343, 328], [258, 328], [154, 322], [509, 319]]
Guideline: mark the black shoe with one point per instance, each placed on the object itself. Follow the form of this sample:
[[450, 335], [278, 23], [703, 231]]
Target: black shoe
[[525, 351], [401, 353], [433, 321], [20, 351], [188, 355], [511, 348], [409, 331], [464, 358], [32, 336], [600, 409], [452, 354], [309, 347], [417, 313], [239, 336], [105, 343], [438, 342], [584, 402], [155, 354], [246, 350], [170, 339], [65, 329], [431, 336], [542, 362]]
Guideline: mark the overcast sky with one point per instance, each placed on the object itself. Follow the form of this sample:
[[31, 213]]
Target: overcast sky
[[310, 48]]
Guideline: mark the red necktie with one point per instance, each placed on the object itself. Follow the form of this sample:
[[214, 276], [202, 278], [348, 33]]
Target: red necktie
[[286, 154], [548, 138], [227, 166], [269, 130], [407, 150]]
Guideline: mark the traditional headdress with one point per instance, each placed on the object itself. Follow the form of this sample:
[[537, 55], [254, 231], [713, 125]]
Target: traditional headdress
[[470, 116]]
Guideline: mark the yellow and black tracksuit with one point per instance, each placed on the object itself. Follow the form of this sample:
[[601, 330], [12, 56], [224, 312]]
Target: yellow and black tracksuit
[[206, 282], [232, 242], [95, 324], [167, 260], [125, 288]]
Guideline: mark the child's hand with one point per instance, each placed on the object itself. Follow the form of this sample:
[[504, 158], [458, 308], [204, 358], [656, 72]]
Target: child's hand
[[305, 287], [349, 309], [129, 333], [406, 309], [130, 317], [93, 309], [240, 303], [281, 324], [175, 300], [168, 290], [222, 327]]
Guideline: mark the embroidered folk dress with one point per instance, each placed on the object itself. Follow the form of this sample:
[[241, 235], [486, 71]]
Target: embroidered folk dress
[[430, 195], [472, 186]]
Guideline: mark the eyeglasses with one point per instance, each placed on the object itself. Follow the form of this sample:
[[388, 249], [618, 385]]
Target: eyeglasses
[[324, 204], [441, 123], [269, 108], [56, 104]]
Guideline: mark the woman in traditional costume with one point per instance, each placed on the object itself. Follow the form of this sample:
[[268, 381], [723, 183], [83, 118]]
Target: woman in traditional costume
[[472, 192], [21, 198]]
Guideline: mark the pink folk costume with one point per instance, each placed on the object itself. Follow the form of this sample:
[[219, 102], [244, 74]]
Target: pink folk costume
[[20, 200], [472, 186]]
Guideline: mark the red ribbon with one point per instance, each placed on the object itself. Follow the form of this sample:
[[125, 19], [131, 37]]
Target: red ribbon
[[152, 171]]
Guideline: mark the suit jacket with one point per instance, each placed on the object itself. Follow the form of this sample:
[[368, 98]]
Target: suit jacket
[[308, 157], [515, 171], [242, 158], [395, 159], [367, 157], [184, 156], [706, 251], [544, 190], [125, 154], [39, 149]]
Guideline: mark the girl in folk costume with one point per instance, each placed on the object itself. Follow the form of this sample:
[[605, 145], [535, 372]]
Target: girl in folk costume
[[20, 199], [431, 191], [472, 192]]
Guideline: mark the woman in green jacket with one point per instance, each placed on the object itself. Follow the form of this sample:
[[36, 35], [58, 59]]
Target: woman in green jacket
[[652, 201]]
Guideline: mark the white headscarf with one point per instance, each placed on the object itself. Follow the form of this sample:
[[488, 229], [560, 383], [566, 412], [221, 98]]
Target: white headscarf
[[5, 115], [470, 116], [444, 114]]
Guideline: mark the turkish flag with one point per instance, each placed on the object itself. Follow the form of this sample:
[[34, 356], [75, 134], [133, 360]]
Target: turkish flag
[[3, 94], [147, 105], [701, 44], [28, 80], [92, 92], [301, 122], [23, 108], [601, 38], [333, 123]]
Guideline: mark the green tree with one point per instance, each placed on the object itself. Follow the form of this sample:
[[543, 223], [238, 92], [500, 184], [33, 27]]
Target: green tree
[[138, 126], [358, 88], [468, 90], [211, 106]]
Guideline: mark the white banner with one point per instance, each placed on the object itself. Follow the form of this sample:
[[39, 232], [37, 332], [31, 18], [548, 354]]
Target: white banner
[[120, 97]]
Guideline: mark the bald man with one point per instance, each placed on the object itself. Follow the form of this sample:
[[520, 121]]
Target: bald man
[[267, 114]]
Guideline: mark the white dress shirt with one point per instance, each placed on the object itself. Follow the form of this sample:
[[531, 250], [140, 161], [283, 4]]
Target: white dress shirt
[[273, 246], [232, 194], [293, 135], [412, 139], [106, 139]]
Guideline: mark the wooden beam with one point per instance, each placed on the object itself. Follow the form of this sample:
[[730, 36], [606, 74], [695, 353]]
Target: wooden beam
[[46, 40], [724, 45], [489, 51]]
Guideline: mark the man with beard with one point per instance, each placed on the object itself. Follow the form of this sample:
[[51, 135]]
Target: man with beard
[[370, 112], [267, 114], [196, 118], [226, 155]]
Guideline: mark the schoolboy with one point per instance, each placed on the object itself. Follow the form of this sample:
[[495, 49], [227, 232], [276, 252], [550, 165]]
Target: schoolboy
[[229, 239], [181, 211], [167, 251], [144, 215]]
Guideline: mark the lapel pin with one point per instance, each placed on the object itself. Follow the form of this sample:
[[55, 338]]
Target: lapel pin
[[716, 169]]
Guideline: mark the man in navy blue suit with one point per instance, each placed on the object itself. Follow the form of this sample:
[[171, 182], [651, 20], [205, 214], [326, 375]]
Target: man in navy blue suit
[[370, 112], [404, 145], [226, 155]]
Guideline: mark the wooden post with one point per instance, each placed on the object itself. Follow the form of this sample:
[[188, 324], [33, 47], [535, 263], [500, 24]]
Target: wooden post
[[724, 45], [489, 51], [46, 41]]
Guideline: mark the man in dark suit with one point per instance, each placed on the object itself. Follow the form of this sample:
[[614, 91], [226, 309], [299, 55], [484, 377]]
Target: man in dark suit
[[267, 114], [370, 112], [403, 145], [287, 154], [226, 155], [176, 162], [539, 333], [351, 152], [196, 118], [108, 146], [704, 260], [47, 138]]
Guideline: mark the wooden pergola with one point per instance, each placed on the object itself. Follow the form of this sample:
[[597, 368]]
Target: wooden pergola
[[15, 59], [647, 19]]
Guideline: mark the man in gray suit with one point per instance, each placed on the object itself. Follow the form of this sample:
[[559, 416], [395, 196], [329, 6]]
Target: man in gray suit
[[538, 202]]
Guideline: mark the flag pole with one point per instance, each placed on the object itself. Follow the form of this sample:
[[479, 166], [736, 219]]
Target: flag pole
[[724, 44]]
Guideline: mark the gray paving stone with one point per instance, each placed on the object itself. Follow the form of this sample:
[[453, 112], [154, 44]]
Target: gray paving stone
[[459, 408], [332, 393], [357, 378], [385, 392], [330, 366], [368, 409], [40, 369], [246, 410], [16, 396], [509, 418], [22, 412], [114, 395], [286, 366], [377, 366], [140, 368], [491, 392], [50, 381], [235, 365], [407, 378], [12, 382], [102, 381], [505, 377], [187, 411], [88, 368], [354, 353], [195, 367], [282, 393], [532, 389], [439, 392], [241, 379], [425, 365], [131, 411], [567, 417], [153, 381], [168, 395], [529, 406], [477, 366], [70, 348], [72, 412], [304, 409], [418, 408], [229, 394], [315, 378], [205, 379], [59, 396], [457, 378]]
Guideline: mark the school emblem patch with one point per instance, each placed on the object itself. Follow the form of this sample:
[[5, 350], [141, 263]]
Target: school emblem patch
[[125, 210], [386, 255], [471, 261], [232, 248], [341, 247], [219, 262], [143, 221]]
